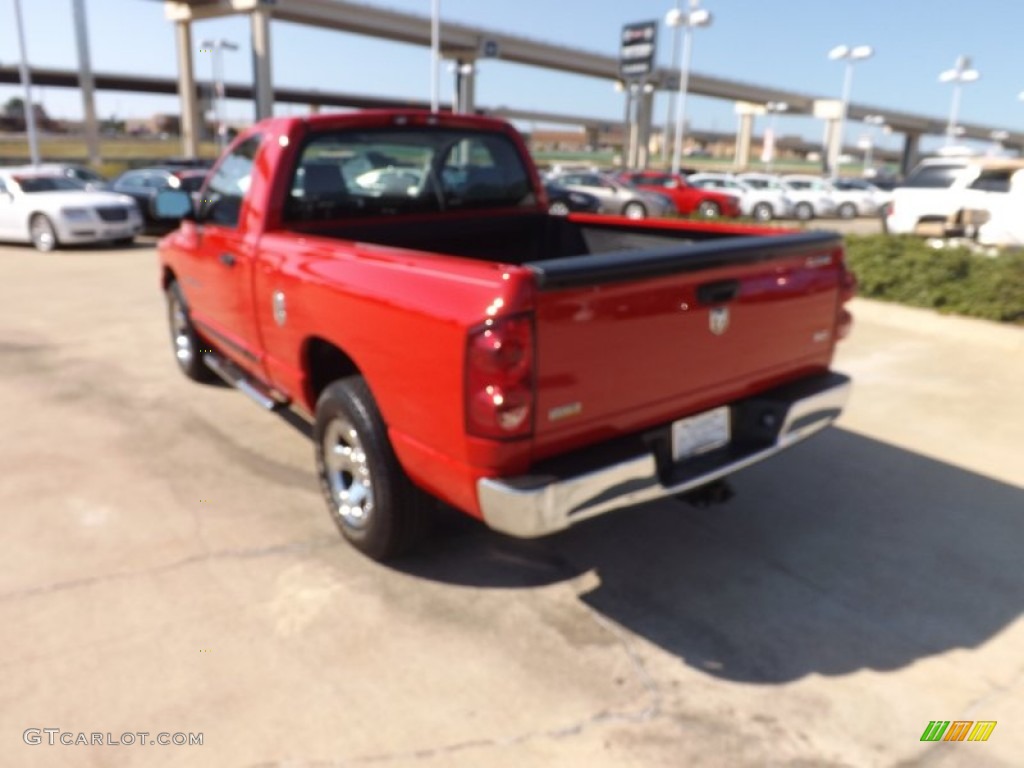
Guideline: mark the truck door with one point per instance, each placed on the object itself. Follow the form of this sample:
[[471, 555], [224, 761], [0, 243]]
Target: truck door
[[220, 295]]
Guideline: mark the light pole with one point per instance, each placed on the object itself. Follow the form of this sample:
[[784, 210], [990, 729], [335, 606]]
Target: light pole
[[435, 54], [961, 73], [849, 54], [694, 17], [216, 47], [26, 81], [672, 94], [768, 150]]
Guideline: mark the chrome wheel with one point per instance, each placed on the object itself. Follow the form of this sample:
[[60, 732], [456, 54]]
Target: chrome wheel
[[41, 231], [763, 212], [181, 333], [635, 211], [558, 208], [348, 473]]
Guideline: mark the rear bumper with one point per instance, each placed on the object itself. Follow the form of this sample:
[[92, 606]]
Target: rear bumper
[[549, 501]]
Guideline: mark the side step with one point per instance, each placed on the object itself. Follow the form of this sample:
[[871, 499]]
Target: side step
[[237, 378]]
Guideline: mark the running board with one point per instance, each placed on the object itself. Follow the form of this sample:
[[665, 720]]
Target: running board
[[234, 376]]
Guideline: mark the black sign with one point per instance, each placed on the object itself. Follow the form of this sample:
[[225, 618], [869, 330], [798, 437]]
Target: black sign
[[636, 50]]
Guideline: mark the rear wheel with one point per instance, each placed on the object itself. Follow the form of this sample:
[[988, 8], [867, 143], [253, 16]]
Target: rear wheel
[[804, 211], [634, 210], [763, 212], [44, 236], [187, 344], [847, 211], [709, 210], [370, 498]]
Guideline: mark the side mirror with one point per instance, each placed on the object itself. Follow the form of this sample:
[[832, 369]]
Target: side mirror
[[173, 205]]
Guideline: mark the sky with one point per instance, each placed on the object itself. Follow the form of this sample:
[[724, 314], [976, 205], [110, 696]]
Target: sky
[[783, 44]]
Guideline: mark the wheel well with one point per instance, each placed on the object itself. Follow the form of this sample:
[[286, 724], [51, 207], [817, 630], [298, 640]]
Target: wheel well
[[324, 363], [167, 277]]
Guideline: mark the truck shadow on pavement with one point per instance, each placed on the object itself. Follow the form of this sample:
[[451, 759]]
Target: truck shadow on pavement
[[845, 553]]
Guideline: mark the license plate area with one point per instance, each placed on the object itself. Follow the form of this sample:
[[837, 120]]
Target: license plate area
[[699, 434]]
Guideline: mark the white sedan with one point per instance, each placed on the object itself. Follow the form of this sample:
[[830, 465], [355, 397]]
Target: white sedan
[[49, 210], [762, 204]]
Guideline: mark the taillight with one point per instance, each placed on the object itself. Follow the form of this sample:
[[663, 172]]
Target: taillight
[[499, 378]]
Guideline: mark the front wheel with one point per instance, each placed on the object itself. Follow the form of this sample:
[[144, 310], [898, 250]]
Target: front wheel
[[187, 344], [370, 498], [804, 211], [558, 208], [847, 211], [634, 210], [44, 236], [709, 210], [763, 212]]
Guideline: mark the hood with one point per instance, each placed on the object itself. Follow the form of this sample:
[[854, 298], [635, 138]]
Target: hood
[[79, 199]]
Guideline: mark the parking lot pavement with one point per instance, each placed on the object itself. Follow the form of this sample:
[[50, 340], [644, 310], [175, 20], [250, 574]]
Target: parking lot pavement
[[167, 566]]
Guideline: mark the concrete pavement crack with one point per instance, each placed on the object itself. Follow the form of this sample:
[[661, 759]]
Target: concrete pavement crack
[[300, 547]]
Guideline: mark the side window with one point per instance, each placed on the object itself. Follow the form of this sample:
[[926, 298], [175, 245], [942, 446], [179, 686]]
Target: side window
[[229, 184], [993, 181], [129, 181], [933, 176]]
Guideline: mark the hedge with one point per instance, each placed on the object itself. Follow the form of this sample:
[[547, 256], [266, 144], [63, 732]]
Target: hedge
[[905, 269]]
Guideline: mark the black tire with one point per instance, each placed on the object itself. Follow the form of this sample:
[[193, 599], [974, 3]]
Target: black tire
[[847, 211], [634, 210], [370, 498], [709, 210], [804, 211], [763, 212], [42, 233], [186, 342]]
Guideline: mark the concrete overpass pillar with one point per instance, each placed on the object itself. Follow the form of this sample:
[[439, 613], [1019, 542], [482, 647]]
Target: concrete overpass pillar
[[465, 86], [644, 118], [908, 159], [744, 135], [262, 84], [833, 146], [187, 90]]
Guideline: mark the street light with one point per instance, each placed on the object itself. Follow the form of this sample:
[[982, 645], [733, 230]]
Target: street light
[[768, 150], [26, 82], [695, 17], [435, 54], [216, 47], [960, 74], [849, 54]]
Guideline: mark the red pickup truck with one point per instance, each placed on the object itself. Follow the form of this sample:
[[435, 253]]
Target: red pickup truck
[[396, 276]]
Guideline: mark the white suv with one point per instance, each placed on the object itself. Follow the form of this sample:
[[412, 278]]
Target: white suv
[[939, 191]]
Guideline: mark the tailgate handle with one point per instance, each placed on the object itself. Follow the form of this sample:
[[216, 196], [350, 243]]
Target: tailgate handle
[[718, 292]]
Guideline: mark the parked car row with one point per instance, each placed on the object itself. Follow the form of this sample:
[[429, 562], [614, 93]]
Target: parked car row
[[54, 204], [760, 196]]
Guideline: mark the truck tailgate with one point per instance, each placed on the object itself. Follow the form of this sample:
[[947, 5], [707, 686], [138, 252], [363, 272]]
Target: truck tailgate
[[628, 340]]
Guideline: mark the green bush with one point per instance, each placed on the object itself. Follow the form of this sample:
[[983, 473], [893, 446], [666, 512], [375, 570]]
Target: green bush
[[907, 270]]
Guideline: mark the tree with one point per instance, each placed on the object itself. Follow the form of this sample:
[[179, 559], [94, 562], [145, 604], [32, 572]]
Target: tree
[[14, 107]]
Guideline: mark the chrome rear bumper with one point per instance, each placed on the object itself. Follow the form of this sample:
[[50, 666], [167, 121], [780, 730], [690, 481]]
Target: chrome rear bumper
[[535, 505]]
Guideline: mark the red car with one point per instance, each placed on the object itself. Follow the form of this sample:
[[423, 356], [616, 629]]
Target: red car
[[689, 200], [396, 276]]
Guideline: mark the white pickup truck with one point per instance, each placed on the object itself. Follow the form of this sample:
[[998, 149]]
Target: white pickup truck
[[951, 195]]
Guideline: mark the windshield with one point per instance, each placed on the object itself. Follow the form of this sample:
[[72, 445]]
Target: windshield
[[756, 183], [388, 171], [30, 184]]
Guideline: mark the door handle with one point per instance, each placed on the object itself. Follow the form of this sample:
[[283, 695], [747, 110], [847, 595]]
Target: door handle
[[718, 292], [227, 259]]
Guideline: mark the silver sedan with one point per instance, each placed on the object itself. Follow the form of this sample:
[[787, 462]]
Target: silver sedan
[[617, 198]]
